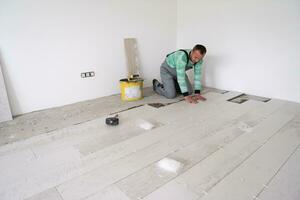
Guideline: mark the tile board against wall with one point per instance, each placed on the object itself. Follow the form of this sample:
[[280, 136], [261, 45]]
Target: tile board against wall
[[5, 112]]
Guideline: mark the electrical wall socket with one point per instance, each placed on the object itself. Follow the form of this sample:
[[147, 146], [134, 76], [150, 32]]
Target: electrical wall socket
[[87, 74]]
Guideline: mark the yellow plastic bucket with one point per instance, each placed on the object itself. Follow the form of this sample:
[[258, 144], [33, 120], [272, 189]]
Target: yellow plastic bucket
[[131, 90]]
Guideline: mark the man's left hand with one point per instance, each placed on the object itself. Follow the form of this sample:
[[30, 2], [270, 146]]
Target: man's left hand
[[199, 97]]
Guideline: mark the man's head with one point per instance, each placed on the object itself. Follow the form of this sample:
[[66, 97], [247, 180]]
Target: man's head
[[197, 53]]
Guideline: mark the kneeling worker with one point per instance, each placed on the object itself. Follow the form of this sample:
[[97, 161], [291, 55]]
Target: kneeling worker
[[173, 76]]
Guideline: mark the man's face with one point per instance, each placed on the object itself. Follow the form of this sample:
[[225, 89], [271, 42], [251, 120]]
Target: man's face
[[196, 56]]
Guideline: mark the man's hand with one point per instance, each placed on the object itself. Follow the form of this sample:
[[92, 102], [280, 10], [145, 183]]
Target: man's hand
[[199, 97], [190, 99]]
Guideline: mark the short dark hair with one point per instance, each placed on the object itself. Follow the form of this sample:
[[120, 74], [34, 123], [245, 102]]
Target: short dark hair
[[199, 47]]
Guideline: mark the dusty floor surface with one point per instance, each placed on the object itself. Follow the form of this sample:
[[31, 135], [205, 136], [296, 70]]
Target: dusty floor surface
[[212, 150]]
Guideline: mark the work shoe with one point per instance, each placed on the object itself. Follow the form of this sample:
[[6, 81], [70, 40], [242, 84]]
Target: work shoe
[[155, 84]]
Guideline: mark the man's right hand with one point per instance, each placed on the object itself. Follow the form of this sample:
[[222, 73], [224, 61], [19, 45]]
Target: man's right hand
[[190, 99]]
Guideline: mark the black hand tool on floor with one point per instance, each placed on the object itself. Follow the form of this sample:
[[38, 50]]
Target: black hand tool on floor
[[112, 121]]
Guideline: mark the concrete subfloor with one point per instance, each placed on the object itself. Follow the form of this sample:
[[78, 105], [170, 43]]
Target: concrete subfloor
[[44, 121], [212, 150]]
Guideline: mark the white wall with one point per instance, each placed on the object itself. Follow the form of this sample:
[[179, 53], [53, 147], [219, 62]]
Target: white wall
[[46, 44], [253, 45]]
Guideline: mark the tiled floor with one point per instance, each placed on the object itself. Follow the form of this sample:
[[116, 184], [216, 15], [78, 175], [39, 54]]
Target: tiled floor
[[212, 150]]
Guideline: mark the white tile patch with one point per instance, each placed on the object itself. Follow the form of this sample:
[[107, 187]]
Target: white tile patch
[[169, 165], [144, 124]]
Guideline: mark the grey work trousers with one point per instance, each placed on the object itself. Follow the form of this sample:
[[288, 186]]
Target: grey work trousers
[[170, 87]]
